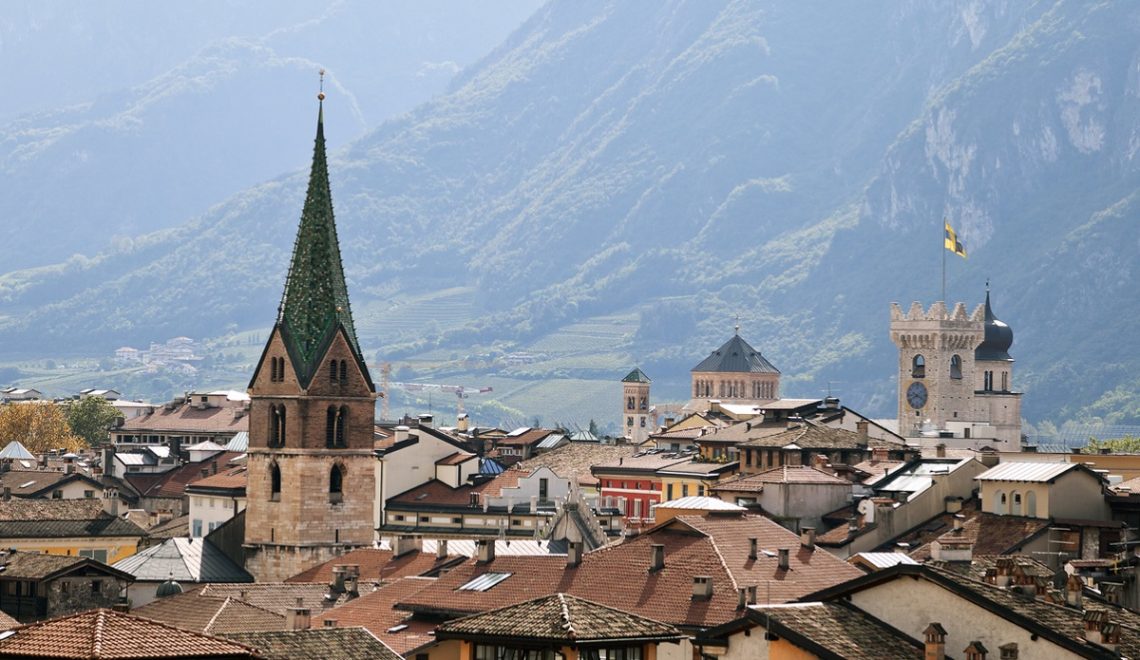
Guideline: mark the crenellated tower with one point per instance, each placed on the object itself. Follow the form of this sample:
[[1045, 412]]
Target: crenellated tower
[[311, 474]]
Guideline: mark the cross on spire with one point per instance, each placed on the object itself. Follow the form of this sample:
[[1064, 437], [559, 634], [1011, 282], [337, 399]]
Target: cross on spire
[[736, 328]]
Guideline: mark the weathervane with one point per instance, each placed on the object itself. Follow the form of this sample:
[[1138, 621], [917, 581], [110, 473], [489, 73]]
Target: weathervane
[[321, 93], [737, 326]]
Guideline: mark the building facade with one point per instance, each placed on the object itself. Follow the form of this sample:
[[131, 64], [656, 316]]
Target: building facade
[[311, 478], [636, 422], [734, 373]]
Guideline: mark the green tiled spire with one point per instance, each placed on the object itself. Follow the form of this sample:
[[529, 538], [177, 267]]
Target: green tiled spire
[[316, 297]]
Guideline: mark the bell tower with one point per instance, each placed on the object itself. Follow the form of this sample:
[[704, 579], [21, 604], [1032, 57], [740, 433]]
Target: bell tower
[[936, 365], [311, 473], [635, 407]]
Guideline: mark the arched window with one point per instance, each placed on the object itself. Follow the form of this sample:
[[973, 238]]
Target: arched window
[[277, 425], [643, 404], [629, 403], [274, 482], [1000, 503], [1031, 504], [988, 385], [341, 426], [918, 367], [1016, 508], [336, 483], [1005, 381], [332, 371], [273, 370], [955, 367], [335, 419], [343, 372]]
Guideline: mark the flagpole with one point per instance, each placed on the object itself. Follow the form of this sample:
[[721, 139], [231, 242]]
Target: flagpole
[[942, 244]]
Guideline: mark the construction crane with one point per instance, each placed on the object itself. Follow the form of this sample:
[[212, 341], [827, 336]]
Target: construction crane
[[461, 392]]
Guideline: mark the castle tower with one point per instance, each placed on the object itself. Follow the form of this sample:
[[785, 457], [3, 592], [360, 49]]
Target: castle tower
[[936, 365], [995, 397], [734, 373], [311, 474], [636, 424]]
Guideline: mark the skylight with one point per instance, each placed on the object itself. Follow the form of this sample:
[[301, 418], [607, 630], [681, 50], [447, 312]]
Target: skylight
[[485, 581]]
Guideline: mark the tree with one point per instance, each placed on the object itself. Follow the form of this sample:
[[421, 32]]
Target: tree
[[39, 425], [90, 418]]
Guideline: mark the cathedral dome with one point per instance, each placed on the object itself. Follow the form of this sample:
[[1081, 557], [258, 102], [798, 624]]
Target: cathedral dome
[[999, 337]]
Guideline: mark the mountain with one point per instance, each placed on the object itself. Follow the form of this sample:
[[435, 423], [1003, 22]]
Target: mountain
[[616, 182]]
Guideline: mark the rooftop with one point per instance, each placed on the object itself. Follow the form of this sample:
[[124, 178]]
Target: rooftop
[[699, 503], [187, 417], [559, 618], [185, 560], [736, 355], [277, 597], [378, 565], [838, 629], [317, 644], [112, 635], [809, 436], [173, 482], [575, 459], [376, 612], [1028, 472], [210, 615], [37, 518]]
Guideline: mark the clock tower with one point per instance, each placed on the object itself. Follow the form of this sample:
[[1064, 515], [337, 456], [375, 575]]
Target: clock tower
[[936, 366]]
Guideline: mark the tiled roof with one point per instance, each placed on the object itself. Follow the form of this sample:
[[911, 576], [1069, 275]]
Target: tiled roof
[[981, 567], [880, 559], [636, 376], [437, 493], [648, 463], [877, 468], [107, 635], [699, 503], [989, 533], [277, 597], [210, 615], [36, 518], [190, 419], [715, 546], [736, 355], [458, 458], [37, 566], [233, 478], [559, 617], [575, 459], [378, 565], [376, 612], [173, 482], [838, 628], [700, 468], [317, 644], [7, 622], [530, 437], [28, 482], [813, 436], [185, 560], [172, 528]]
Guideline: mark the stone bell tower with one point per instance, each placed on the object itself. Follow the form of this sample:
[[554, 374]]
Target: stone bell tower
[[311, 479], [635, 418], [936, 365]]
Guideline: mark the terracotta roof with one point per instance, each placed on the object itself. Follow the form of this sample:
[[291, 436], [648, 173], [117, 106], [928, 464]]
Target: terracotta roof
[[649, 463], [105, 634], [436, 492], [37, 566], [378, 565], [458, 458], [575, 458], [209, 614], [376, 612], [233, 478], [840, 629], [876, 469], [530, 437], [713, 546], [175, 527], [813, 436], [991, 534], [317, 644], [1128, 487], [30, 482], [559, 618], [188, 418], [7, 622], [36, 518], [276, 597], [173, 482]]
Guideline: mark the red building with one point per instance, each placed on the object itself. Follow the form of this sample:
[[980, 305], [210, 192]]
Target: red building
[[632, 485]]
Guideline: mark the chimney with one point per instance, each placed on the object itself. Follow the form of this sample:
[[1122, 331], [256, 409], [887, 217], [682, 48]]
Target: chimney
[[1111, 591], [807, 537], [819, 461], [107, 458], [1008, 651], [7, 493], [337, 584], [69, 467], [784, 553], [1004, 567], [752, 549], [485, 551], [401, 433], [1095, 622], [975, 651], [426, 420], [702, 587], [574, 554], [351, 585], [934, 642], [110, 502], [958, 522], [534, 504], [122, 605], [441, 549], [297, 618], [940, 450], [462, 424], [657, 559], [403, 545], [880, 455], [204, 472], [861, 427], [214, 467]]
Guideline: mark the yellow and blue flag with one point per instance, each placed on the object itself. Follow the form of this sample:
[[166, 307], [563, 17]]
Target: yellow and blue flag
[[952, 242]]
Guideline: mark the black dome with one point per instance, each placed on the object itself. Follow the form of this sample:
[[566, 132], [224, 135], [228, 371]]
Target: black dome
[[999, 337], [168, 588]]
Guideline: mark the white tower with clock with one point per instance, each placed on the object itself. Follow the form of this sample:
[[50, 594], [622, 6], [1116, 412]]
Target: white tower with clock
[[955, 376]]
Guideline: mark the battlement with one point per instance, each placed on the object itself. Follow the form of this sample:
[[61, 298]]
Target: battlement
[[938, 312]]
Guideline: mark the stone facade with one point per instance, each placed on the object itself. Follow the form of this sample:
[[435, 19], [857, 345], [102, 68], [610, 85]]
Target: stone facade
[[636, 421]]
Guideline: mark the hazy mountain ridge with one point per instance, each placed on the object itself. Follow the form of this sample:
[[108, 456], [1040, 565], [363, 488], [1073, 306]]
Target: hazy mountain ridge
[[690, 161]]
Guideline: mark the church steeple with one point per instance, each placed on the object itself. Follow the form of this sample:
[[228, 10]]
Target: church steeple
[[315, 302]]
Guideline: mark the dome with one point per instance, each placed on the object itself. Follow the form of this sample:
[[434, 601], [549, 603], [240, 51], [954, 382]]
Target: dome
[[999, 337], [168, 588]]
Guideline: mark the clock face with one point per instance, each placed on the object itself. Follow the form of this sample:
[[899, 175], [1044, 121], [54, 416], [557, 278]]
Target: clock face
[[916, 395]]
